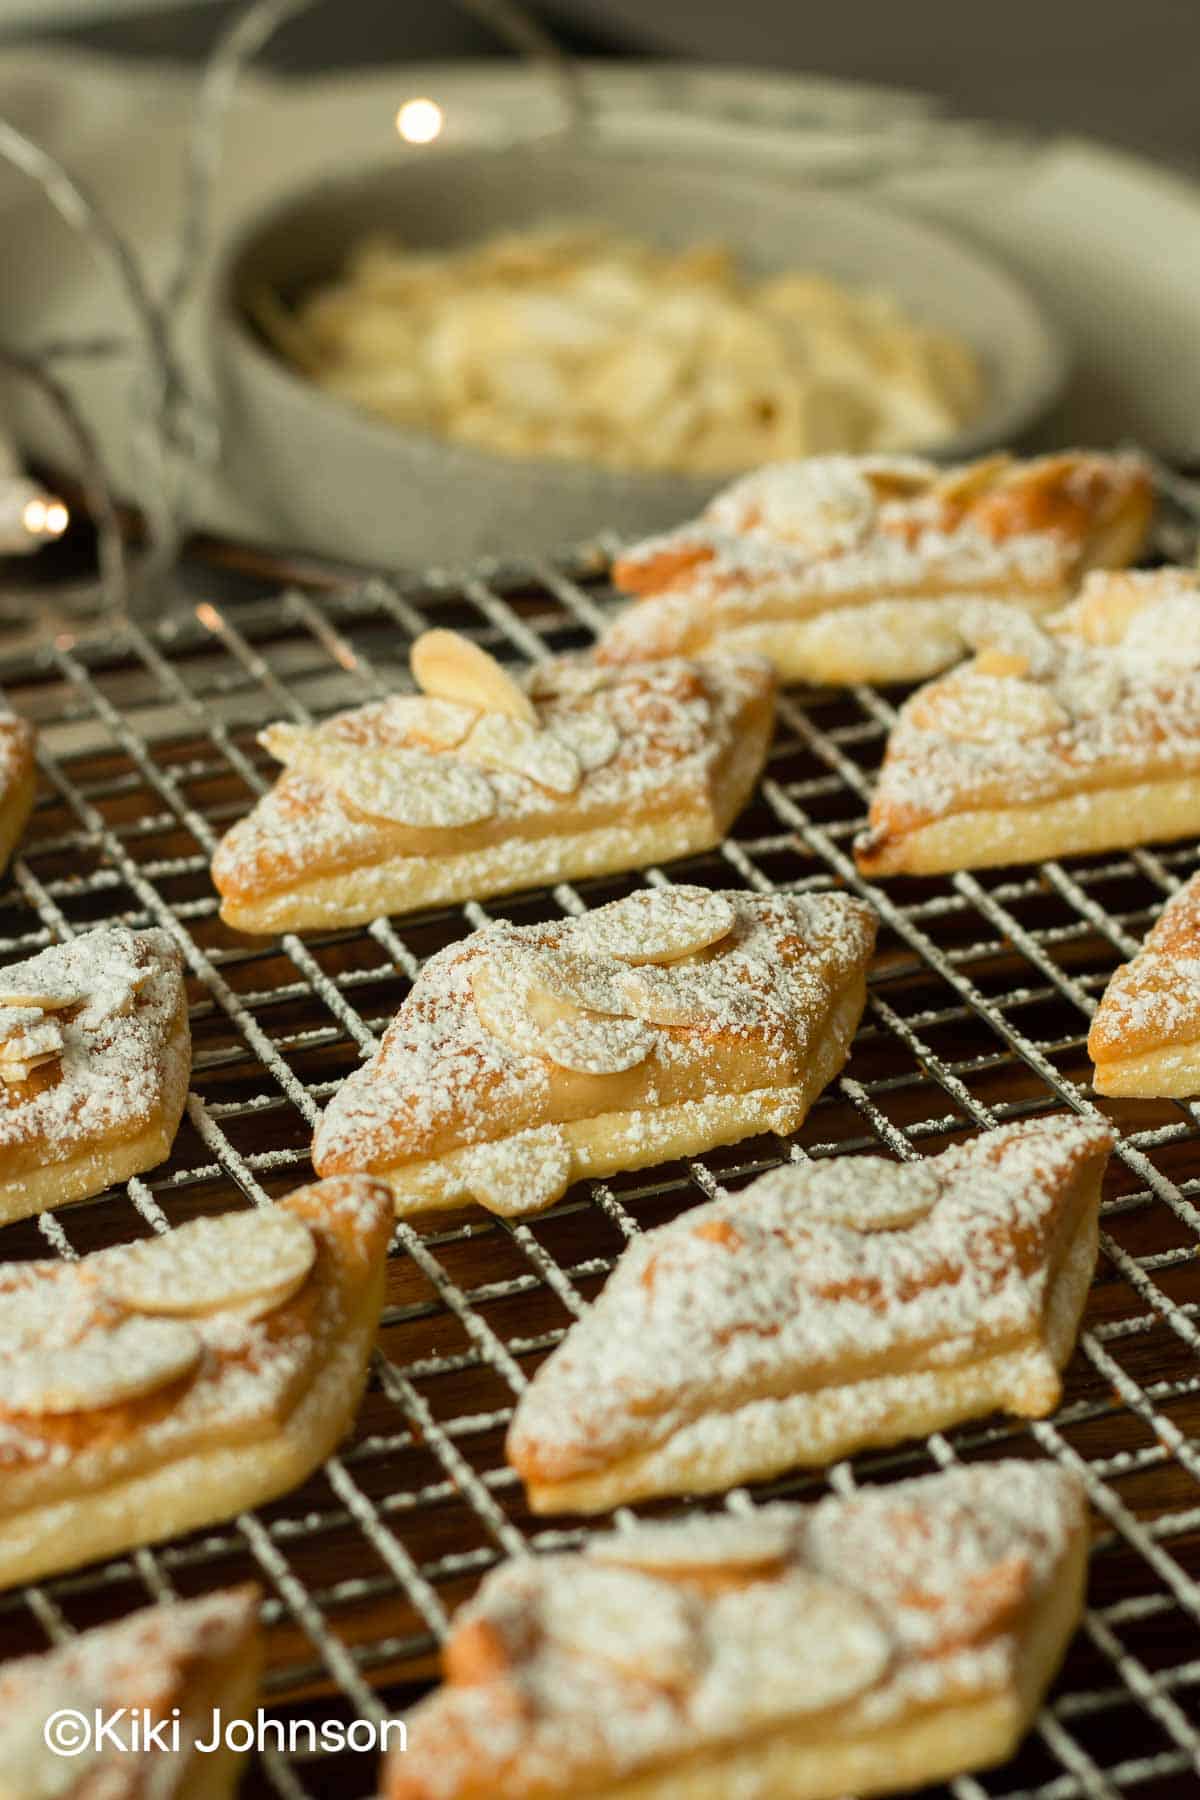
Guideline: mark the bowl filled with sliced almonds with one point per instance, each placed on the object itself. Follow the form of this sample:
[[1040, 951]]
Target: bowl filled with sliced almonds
[[483, 352]]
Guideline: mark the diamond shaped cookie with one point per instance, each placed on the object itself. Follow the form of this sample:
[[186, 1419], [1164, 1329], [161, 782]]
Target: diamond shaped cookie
[[155, 1387], [827, 1307], [1145, 1036], [1084, 736], [865, 568], [872, 1643], [654, 1028], [480, 784], [95, 1055]]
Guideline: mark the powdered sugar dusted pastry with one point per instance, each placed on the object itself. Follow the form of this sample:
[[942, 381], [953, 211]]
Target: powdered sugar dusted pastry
[[827, 1307], [1085, 736], [162, 1385], [18, 781], [174, 1666], [481, 784], [843, 568], [1145, 1037], [866, 1644], [528, 1057], [95, 1055]]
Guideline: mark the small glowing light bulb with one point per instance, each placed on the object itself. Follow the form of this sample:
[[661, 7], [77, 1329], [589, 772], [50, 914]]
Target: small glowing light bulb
[[33, 518], [57, 518], [420, 121]]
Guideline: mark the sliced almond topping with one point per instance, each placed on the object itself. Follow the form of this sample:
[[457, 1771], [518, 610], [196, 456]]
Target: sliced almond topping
[[972, 711], [499, 741], [453, 668], [657, 925], [864, 1193], [429, 723], [762, 1541], [823, 504], [626, 1619], [251, 1261], [40, 1002], [1109, 601], [666, 994], [533, 1020], [14, 1073], [25, 1033], [593, 983], [595, 1045], [410, 787], [800, 1644], [106, 1367], [994, 661], [521, 1173], [500, 1005], [591, 736], [970, 479]]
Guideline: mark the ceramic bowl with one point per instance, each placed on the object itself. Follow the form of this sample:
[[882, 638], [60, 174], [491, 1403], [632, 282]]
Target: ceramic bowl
[[339, 481]]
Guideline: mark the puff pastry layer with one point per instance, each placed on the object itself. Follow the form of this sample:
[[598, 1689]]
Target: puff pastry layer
[[18, 781], [863, 1645], [846, 569], [825, 1308], [194, 1655], [1081, 737], [95, 1055], [528, 1057], [482, 784], [155, 1387], [1145, 1037]]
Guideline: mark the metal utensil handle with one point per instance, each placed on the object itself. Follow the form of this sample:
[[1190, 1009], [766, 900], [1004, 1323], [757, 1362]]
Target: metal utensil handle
[[241, 42]]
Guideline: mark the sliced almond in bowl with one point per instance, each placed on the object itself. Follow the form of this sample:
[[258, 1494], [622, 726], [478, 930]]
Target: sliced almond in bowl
[[451, 667], [251, 1262], [106, 1367], [657, 925]]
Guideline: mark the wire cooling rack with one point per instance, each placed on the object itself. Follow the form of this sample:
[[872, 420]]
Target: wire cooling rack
[[978, 1013]]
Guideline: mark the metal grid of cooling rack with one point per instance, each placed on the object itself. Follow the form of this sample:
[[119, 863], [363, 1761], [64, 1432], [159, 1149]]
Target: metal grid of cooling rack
[[978, 1013]]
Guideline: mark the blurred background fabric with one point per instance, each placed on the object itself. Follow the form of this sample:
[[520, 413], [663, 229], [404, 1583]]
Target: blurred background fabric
[[1121, 71]]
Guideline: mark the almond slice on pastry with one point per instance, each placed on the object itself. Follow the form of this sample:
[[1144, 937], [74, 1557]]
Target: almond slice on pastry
[[527, 1057], [251, 1262], [157, 1387], [893, 1638], [1095, 744], [95, 1056], [848, 569], [176, 1666], [783, 1326], [1145, 1037], [448, 666], [390, 808]]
